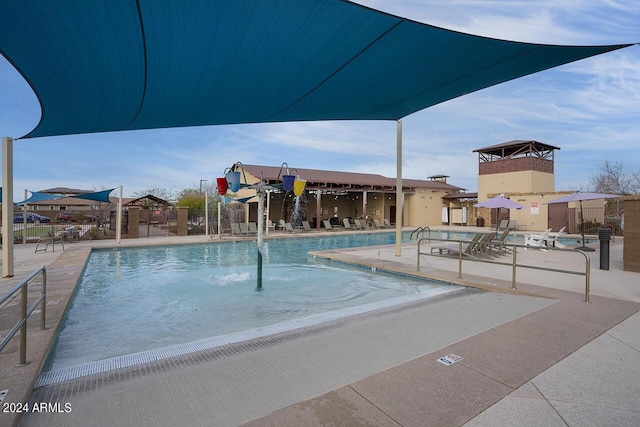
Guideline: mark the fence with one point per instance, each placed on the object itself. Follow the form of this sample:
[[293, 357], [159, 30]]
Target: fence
[[593, 219], [33, 232]]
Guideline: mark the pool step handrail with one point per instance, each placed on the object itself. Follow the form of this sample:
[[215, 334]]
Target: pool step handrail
[[418, 231], [514, 263], [25, 312]]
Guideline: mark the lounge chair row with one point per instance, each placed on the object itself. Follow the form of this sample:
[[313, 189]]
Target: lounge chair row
[[357, 224], [481, 245], [244, 229], [507, 224]]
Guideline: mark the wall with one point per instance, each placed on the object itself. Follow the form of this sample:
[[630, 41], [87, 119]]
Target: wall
[[424, 208], [535, 215], [631, 250], [512, 182]]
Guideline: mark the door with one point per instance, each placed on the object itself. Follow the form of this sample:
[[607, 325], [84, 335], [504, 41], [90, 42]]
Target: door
[[557, 216]]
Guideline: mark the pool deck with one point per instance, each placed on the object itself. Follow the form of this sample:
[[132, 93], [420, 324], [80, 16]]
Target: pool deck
[[537, 355]]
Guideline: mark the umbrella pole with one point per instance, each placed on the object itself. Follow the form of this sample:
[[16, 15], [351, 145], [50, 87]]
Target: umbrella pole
[[584, 246]]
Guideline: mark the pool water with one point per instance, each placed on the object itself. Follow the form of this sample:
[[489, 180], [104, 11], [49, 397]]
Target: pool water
[[138, 299]]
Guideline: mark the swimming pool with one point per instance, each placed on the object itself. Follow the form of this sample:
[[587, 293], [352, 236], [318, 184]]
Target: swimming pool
[[140, 299]]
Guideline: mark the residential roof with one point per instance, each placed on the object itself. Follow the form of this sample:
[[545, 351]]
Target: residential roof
[[336, 180], [65, 190], [96, 67]]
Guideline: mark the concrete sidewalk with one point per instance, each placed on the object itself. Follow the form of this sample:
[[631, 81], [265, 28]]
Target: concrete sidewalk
[[535, 356]]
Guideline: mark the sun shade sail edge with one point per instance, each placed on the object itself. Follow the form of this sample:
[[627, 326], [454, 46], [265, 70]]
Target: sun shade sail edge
[[127, 68]]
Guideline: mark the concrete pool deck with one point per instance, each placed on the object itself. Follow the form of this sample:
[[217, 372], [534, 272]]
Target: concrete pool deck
[[538, 356]]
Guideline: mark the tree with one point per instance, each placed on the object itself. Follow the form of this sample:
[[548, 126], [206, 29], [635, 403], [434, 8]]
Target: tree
[[616, 178], [192, 198], [159, 192]]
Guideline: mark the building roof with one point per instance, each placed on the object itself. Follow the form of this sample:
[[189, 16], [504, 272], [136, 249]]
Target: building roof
[[455, 196], [148, 200], [510, 147], [65, 190], [345, 181]]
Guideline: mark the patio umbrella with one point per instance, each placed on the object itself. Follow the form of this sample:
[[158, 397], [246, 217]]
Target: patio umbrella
[[579, 197], [499, 202]]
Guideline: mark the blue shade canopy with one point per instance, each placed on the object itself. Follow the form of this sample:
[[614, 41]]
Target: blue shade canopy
[[38, 197], [109, 65], [98, 196]]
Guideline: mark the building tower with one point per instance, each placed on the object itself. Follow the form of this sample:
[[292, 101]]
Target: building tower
[[515, 167]]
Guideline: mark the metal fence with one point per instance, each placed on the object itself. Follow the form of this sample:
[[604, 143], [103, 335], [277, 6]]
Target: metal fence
[[33, 231]]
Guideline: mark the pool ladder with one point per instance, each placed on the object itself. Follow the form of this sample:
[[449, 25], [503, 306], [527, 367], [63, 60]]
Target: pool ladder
[[418, 232]]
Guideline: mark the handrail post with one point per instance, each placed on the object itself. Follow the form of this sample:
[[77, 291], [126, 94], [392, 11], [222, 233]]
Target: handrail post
[[513, 276], [23, 328], [43, 292], [588, 277], [418, 261], [459, 260]]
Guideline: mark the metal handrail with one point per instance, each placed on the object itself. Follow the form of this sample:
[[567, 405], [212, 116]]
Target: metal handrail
[[26, 312], [514, 264], [418, 231]]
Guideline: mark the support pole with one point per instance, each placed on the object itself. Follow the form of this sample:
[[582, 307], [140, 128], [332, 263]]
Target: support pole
[[219, 220], [399, 199], [119, 217], [24, 219], [7, 207], [260, 236], [206, 213], [266, 231], [364, 205], [318, 208]]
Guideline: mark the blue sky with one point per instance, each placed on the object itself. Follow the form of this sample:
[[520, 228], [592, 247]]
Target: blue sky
[[590, 109]]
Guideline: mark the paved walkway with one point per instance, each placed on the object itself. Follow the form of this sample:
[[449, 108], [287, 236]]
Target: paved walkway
[[535, 356]]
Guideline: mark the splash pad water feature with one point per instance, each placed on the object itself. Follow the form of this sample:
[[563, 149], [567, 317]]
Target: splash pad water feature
[[289, 183]]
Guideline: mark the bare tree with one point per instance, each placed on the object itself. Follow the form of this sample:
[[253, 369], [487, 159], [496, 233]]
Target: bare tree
[[160, 192], [616, 178]]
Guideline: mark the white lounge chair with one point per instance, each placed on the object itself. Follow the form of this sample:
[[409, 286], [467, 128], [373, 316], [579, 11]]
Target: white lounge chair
[[537, 239], [553, 238]]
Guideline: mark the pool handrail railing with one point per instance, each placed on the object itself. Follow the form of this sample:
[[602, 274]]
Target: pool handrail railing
[[514, 264], [25, 312]]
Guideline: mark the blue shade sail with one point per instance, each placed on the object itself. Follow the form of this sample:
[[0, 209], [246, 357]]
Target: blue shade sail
[[97, 196], [111, 65]]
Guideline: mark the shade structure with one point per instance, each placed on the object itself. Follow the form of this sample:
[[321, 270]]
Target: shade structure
[[96, 196], [579, 197], [499, 202], [100, 66]]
